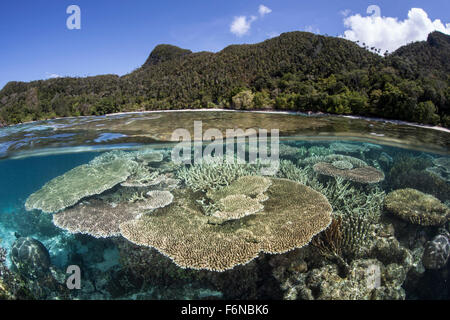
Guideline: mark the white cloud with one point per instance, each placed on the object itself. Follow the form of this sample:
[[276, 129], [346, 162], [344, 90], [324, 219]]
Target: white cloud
[[52, 75], [312, 29], [273, 34], [263, 10], [241, 25], [345, 12], [388, 33]]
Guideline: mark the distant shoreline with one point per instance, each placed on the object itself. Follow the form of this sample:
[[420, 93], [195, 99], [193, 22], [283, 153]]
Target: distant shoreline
[[268, 111]]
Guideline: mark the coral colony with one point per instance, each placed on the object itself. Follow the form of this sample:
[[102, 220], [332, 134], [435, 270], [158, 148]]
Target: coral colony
[[321, 220]]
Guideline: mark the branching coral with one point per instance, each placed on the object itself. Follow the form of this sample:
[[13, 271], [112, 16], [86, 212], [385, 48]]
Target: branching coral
[[214, 173], [290, 171], [292, 215], [143, 176]]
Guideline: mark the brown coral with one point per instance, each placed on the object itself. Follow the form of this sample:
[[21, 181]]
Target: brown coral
[[416, 207], [101, 219], [292, 215], [365, 174]]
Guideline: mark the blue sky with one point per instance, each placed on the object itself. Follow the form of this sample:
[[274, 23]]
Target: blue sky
[[117, 36]]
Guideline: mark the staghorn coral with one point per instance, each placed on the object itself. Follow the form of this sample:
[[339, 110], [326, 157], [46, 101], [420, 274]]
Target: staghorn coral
[[318, 151], [102, 173], [362, 174], [292, 215], [416, 207], [437, 251], [101, 219], [143, 176], [214, 173], [290, 171]]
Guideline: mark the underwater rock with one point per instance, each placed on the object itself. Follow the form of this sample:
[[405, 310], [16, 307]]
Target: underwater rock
[[101, 219], [83, 181], [368, 279], [292, 215], [416, 207], [362, 174], [437, 251], [30, 257]]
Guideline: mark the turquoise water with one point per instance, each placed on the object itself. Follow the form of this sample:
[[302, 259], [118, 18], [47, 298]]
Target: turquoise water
[[125, 266]]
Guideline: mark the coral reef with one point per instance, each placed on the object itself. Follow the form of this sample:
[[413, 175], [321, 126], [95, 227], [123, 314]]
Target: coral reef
[[342, 165], [101, 219], [292, 215], [30, 257], [416, 207], [290, 171], [214, 173], [316, 151], [234, 207], [437, 251], [360, 175], [241, 198], [149, 156], [368, 279], [330, 158], [100, 174], [251, 186], [441, 168], [143, 176], [349, 148], [410, 172]]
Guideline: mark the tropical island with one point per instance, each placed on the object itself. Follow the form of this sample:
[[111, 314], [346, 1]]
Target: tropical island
[[296, 71]]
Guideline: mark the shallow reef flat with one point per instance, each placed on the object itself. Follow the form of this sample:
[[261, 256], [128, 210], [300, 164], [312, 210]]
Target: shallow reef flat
[[336, 220]]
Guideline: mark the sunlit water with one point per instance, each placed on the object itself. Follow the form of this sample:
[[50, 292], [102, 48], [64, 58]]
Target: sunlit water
[[116, 268]]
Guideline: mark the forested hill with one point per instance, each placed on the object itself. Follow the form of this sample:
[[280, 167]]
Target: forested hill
[[297, 71]]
